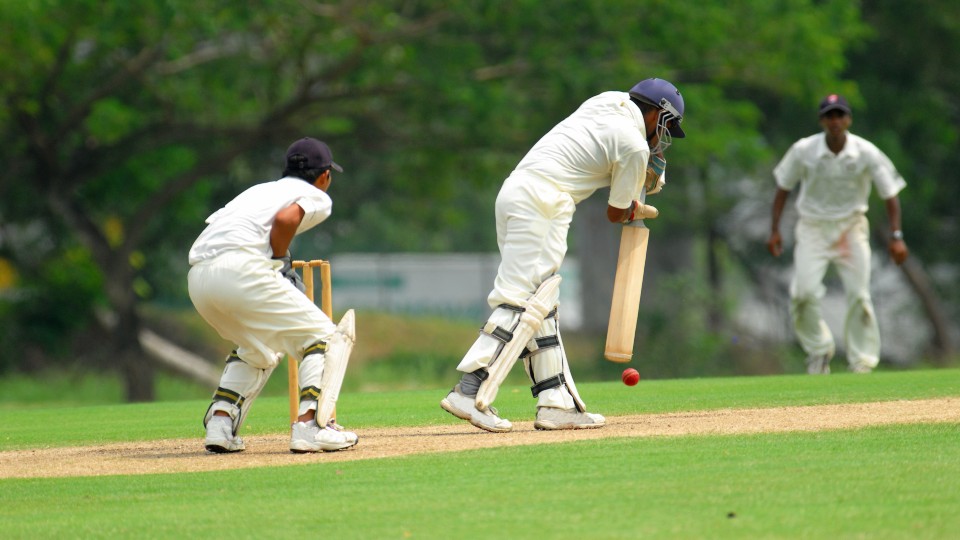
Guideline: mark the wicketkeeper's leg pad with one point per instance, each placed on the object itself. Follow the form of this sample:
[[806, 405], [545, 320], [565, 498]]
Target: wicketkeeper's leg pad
[[240, 384], [531, 315], [311, 375], [333, 367]]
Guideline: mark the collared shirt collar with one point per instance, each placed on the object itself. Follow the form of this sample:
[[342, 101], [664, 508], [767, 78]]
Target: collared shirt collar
[[850, 147]]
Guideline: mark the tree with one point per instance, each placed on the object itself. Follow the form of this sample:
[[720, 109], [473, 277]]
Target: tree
[[910, 106], [127, 124], [116, 123]]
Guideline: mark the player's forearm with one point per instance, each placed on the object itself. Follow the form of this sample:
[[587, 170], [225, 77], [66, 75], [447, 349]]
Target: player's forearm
[[893, 213], [284, 228], [280, 240], [618, 215], [779, 201]]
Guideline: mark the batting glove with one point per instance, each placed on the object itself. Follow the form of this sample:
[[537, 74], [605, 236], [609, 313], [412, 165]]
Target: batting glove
[[655, 177], [638, 210]]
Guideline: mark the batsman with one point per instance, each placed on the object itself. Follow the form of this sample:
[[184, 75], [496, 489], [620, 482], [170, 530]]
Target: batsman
[[614, 140]]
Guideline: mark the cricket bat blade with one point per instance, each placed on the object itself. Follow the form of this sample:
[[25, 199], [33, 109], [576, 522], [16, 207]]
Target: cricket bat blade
[[627, 286]]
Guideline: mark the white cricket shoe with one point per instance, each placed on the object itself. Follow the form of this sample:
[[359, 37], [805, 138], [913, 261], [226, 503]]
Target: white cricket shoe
[[308, 437], [549, 418], [220, 438], [465, 408], [818, 364], [860, 368]]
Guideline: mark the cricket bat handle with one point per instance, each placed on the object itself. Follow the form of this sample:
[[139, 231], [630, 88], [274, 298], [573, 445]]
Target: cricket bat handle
[[627, 286]]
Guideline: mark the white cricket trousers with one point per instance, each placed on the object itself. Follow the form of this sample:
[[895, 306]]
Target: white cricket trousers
[[533, 218], [246, 300], [846, 245]]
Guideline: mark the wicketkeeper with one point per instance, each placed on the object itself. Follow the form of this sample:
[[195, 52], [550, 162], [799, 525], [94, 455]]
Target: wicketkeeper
[[242, 283], [606, 143], [835, 170]]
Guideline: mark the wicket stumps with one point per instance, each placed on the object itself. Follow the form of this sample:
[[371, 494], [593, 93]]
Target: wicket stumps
[[326, 305]]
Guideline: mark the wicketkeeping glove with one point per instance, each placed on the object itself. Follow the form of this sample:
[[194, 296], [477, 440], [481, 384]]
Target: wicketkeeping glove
[[288, 272]]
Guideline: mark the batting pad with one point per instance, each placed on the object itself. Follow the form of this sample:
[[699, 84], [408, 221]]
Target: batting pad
[[546, 363], [535, 309], [339, 348]]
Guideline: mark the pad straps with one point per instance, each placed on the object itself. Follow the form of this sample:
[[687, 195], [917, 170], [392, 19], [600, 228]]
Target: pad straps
[[548, 383], [310, 393], [503, 335], [541, 344], [498, 333], [320, 347], [229, 396]]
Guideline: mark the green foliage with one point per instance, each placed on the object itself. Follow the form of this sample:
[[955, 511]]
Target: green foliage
[[911, 110], [55, 301], [125, 124]]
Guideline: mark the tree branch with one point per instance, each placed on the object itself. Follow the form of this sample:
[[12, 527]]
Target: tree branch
[[131, 69]]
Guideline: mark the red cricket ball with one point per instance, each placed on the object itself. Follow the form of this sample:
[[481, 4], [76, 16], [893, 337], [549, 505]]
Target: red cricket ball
[[630, 376]]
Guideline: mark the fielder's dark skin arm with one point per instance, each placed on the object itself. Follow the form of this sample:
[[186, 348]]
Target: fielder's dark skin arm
[[897, 247], [774, 242], [284, 228]]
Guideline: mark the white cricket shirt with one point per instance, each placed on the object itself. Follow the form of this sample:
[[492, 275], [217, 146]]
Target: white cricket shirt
[[836, 186], [245, 222], [602, 144]]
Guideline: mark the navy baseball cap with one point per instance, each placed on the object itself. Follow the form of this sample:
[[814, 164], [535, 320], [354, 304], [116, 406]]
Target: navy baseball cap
[[834, 102], [318, 155]]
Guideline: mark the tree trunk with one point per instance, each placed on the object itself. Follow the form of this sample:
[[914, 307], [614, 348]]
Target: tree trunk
[[920, 282], [715, 279], [124, 327], [135, 367]]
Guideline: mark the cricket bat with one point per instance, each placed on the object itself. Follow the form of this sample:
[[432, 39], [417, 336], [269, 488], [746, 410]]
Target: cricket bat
[[627, 284]]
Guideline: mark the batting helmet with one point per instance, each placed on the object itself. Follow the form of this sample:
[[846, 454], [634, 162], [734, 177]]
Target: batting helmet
[[665, 96]]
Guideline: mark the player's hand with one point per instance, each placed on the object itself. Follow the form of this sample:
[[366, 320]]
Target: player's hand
[[898, 250], [638, 210], [655, 180], [775, 244], [288, 272], [660, 183]]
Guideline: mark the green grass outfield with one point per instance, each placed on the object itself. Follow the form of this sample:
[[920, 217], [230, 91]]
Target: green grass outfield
[[900, 481]]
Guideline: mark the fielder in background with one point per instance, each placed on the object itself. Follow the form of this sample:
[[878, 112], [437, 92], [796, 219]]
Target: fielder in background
[[242, 282], [835, 170], [606, 143]]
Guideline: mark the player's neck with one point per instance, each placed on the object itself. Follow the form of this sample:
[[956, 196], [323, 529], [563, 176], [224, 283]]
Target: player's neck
[[836, 142]]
